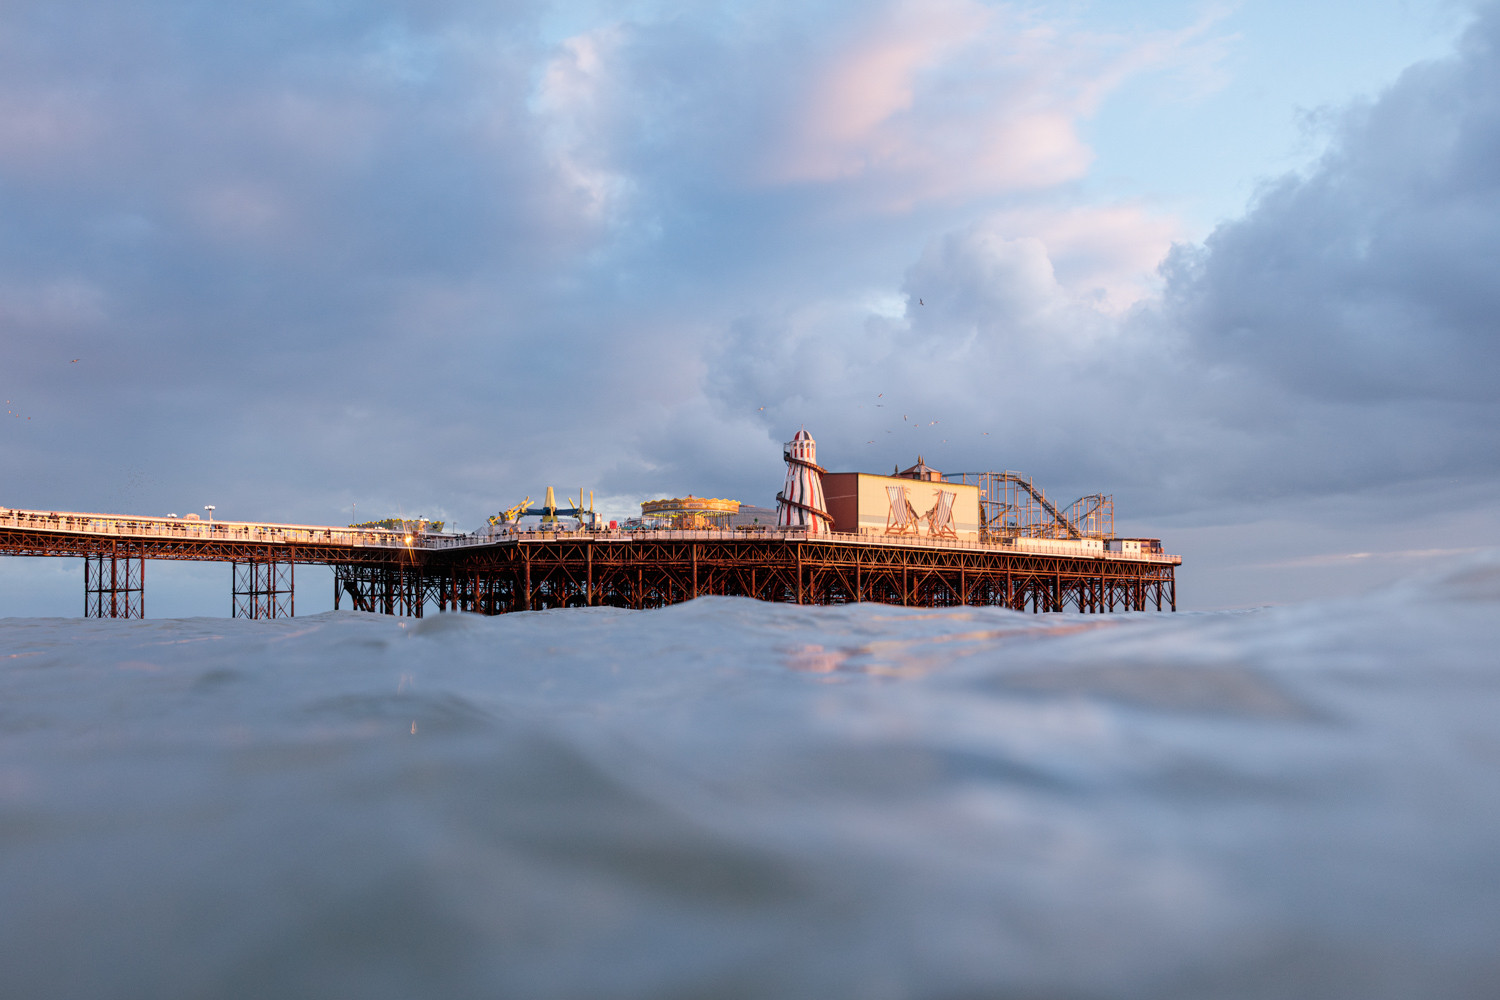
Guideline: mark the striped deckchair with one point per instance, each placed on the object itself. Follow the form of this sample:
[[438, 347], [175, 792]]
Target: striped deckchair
[[940, 517], [902, 519]]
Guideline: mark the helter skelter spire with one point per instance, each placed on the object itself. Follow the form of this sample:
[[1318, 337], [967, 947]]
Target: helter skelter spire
[[801, 504]]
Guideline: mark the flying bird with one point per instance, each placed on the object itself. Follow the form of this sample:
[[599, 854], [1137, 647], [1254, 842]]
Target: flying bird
[[920, 302], [75, 361]]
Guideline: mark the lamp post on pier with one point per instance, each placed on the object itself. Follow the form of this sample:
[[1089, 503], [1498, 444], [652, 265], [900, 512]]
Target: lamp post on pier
[[210, 508]]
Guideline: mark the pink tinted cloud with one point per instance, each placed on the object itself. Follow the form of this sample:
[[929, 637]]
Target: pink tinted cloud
[[1104, 254], [954, 99], [873, 80]]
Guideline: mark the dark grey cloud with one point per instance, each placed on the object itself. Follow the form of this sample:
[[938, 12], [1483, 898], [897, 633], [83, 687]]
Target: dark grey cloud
[[1352, 316], [288, 245], [1370, 278]]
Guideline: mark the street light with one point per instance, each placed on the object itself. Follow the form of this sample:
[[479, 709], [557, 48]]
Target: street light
[[210, 508]]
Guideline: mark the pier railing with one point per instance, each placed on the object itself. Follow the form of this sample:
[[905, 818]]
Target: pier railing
[[1029, 546], [183, 529], [384, 538]]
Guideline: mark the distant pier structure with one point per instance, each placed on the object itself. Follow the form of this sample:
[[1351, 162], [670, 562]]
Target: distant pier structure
[[916, 538]]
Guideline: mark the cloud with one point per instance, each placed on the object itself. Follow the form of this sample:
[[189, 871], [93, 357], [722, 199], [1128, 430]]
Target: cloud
[[879, 108], [1370, 277], [953, 100], [1336, 558], [58, 305], [1345, 326], [430, 255], [980, 367], [573, 98], [40, 128], [1106, 253], [1339, 337]]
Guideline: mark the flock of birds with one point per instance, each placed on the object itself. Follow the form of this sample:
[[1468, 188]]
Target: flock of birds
[[905, 417]]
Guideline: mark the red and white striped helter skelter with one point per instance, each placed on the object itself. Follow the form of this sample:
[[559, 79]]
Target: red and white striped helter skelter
[[801, 504]]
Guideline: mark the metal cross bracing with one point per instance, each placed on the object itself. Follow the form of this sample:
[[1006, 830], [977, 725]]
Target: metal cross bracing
[[262, 581], [644, 574], [400, 589], [114, 584], [263, 589]]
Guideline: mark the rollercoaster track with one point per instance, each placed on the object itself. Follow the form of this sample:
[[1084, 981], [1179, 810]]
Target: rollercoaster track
[[1041, 498]]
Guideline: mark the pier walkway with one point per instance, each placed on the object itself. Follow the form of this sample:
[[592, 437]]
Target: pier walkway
[[401, 572]]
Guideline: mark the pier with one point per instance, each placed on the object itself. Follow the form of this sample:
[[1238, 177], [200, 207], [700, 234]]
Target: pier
[[407, 573]]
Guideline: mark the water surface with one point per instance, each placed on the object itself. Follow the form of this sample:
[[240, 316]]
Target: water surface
[[735, 799]]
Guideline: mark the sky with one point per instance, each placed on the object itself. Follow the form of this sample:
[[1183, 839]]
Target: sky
[[315, 262]]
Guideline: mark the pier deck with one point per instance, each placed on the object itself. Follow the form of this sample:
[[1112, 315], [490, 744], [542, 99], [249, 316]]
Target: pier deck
[[392, 572]]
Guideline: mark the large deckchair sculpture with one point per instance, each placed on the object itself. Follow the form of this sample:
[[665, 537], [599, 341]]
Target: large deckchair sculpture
[[940, 517], [902, 519]]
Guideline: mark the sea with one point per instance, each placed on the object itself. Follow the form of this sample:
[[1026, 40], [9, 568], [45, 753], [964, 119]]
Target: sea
[[731, 799]]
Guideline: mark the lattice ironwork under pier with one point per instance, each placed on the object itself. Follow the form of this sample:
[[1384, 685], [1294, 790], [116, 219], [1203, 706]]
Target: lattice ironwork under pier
[[385, 572], [263, 589], [398, 589], [114, 584], [647, 573]]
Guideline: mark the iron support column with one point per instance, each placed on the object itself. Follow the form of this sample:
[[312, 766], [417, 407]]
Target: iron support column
[[799, 572], [526, 593]]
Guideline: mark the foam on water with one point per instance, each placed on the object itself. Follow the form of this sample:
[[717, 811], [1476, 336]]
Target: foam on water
[[728, 798]]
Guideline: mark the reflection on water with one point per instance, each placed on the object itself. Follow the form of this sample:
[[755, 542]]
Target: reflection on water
[[732, 799]]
